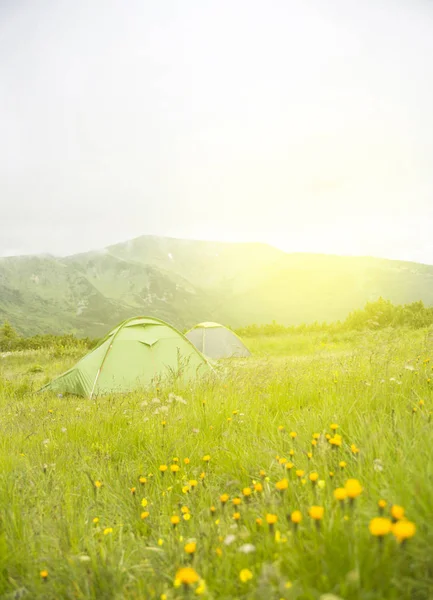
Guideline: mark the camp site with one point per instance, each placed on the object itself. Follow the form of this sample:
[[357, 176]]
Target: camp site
[[216, 300]]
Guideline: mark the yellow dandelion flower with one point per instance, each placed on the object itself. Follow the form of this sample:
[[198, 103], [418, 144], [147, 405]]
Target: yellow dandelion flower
[[281, 428], [259, 522], [185, 489], [313, 477], [334, 426], [236, 501], [160, 542], [142, 480], [174, 468], [354, 449], [212, 510], [44, 574], [296, 517], [245, 575], [262, 473], [382, 504], [293, 434], [193, 483], [218, 551], [316, 512], [247, 492], [291, 452], [206, 458], [353, 488], [190, 548], [186, 516], [175, 520], [163, 468], [340, 494], [314, 443], [335, 441], [202, 475], [98, 484], [271, 519], [397, 512], [145, 514], [144, 503], [300, 473], [224, 498], [316, 436], [379, 526], [236, 516], [282, 460], [184, 510], [342, 464], [289, 465], [403, 530], [187, 576], [186, 461], [258, 487], [282, 485], [95, 520], [108, 530]]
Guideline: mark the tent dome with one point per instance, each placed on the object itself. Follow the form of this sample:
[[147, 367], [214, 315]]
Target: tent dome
[[216, 341], [136, 353]]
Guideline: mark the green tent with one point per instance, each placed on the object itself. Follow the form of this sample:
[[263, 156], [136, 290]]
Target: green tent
[[138, 352], [216, 341]]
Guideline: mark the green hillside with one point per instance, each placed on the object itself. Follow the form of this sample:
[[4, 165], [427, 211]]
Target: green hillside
[[185, 281]]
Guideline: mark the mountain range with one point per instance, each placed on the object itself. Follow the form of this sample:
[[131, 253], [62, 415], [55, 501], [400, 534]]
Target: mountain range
[[187, 281]]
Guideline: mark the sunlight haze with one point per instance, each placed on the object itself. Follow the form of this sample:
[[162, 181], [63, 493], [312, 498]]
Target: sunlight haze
[[305, 125]]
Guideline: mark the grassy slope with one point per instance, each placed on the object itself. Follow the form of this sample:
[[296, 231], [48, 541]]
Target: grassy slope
[[52, 449], [186, 282]]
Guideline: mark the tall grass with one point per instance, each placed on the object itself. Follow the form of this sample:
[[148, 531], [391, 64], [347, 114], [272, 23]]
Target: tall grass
[[92, 540]]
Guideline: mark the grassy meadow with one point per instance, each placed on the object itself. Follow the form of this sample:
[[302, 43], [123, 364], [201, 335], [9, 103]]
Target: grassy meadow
[[217, 490]]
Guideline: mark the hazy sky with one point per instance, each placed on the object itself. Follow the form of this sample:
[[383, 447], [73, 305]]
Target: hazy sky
[[304, 123]]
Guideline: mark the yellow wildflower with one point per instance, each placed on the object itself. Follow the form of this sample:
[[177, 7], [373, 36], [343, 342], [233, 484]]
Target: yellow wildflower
[[190, 548], [271, 519], [397, 512], [316, 512], [379, 526], [403, 530], [353, 488], [187, 576], [245, 575], [340, 494], [296, 517], [282, 485]]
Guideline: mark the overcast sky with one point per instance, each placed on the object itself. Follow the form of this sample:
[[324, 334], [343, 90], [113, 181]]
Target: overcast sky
[[306, 124]]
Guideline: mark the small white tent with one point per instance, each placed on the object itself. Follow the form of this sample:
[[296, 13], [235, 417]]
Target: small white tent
[[216, 341]]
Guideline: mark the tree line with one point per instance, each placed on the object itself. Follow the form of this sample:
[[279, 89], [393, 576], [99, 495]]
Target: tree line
[[375, 315]]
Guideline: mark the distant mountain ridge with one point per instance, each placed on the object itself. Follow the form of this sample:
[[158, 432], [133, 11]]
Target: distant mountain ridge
[[187, 281]]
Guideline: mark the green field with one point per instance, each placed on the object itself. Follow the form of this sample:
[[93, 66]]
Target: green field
[[76, 522]]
